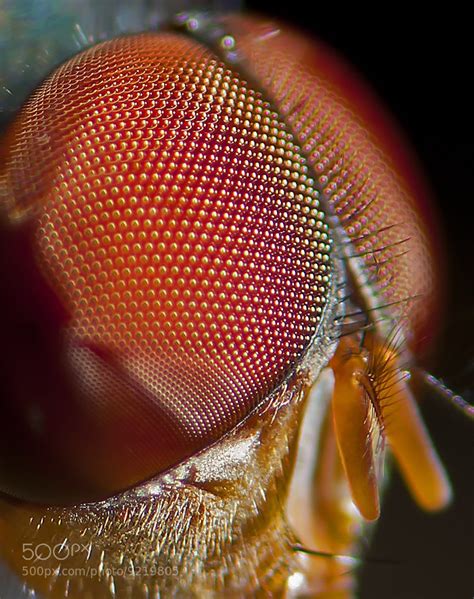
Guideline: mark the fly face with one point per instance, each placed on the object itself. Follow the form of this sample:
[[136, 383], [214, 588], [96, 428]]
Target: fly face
[[226, 309]]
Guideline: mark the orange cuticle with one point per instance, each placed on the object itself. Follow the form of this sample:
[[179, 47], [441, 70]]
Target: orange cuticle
[[352, 427], [399, 420], [415, 455]]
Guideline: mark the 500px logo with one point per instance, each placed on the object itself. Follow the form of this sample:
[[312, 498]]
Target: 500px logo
[[44, 551]]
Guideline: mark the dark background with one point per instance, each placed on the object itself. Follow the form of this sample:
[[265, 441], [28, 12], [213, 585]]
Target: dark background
[[420, 65]]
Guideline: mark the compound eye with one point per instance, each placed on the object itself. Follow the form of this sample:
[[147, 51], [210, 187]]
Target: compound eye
[[179, 251]]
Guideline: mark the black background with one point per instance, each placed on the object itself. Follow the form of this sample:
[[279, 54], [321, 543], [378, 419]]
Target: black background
[[420, 65]]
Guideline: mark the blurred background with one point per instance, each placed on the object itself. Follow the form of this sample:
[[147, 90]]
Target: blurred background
[[420, 65], [419, 62]]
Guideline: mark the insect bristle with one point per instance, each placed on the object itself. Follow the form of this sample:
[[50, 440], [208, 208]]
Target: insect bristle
[[378, 250]]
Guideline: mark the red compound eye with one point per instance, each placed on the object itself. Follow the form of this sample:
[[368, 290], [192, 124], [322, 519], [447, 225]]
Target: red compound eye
[[172, 219]]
